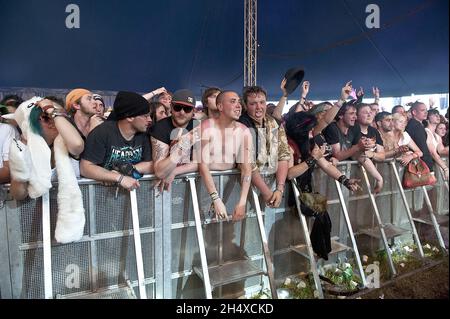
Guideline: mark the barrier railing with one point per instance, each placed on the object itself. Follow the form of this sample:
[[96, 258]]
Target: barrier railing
[[105, 262]]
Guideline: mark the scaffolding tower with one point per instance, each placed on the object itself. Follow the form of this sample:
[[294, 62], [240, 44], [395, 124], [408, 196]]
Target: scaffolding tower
[[250, 39]]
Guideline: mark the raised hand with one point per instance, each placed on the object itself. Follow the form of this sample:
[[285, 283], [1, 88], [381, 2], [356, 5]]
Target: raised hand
[[346, 90], [360, 92], [305, 88], [282, 87], [376, 92]]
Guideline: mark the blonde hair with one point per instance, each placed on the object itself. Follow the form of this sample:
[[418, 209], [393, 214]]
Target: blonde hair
[[399, 116]]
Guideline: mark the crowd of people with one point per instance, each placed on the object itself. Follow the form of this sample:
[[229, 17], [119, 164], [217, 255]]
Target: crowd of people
[[165, 134]]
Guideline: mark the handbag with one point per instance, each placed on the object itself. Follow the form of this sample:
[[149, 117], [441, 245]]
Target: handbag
[[417, 174]]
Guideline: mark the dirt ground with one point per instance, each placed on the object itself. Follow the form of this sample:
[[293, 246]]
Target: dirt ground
[[430, 283]]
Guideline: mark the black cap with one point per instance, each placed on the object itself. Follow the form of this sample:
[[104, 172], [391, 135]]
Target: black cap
[[294, 77], [184, 97], [129, 104]]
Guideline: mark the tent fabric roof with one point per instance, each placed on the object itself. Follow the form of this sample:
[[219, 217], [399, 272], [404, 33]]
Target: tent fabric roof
[[141, 45]]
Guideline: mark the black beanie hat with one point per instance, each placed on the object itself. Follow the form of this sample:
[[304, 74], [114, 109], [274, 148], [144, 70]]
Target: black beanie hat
[[129, 104]]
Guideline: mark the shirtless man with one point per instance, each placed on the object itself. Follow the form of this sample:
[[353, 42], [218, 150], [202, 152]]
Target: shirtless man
[[225, 144]]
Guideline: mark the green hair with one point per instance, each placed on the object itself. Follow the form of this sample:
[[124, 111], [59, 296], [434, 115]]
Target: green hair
[[34, 121], [3, 109]]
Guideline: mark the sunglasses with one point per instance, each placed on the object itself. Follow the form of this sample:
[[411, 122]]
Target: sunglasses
[[185, 108]]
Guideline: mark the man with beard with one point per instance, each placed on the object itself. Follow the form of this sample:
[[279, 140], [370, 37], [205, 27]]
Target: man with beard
[[120, 144], [226, 143], [172, 139], [383, 121], [80, 104]]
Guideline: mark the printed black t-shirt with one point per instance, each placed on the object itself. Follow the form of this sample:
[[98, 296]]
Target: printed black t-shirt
[[371, 133], [334, 135], [105, 146]]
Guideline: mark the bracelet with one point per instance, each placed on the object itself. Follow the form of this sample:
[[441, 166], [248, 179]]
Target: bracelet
[[56, 113], [214, 196], [119, 180], [311, 162]]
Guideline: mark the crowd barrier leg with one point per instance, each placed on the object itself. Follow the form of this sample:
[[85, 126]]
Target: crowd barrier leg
[[265, 246], [380, 223], [443, 178], [408, 211], [310, 252], [200, 241], [47, 244], [433, 220], [351, 234], [138, 245]]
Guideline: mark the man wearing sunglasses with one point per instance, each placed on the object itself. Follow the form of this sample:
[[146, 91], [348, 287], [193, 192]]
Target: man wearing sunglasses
[[172, 139]]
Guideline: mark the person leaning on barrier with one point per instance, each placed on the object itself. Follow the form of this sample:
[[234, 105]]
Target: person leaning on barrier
[[118, 150], [419, 135], [270, 144], [307, 144], [48, 119], [225, 144], [342, 136], [172, 139], [7, 134], [432, 122], [403, 147], [383, 120], [373, 144]]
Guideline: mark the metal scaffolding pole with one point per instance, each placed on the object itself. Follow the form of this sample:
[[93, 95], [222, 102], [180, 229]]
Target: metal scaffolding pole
[[250, 41]]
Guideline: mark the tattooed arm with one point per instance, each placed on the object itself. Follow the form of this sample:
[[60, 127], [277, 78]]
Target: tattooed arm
[[161, 160]]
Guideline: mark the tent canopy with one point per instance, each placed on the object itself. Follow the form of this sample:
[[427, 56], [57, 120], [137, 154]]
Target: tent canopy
[[141, 45]]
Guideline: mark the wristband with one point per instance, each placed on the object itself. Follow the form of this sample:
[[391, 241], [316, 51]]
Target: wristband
[[119, 180], [311, 162]]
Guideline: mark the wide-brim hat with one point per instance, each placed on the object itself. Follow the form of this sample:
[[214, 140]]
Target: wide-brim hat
[[294, 77]]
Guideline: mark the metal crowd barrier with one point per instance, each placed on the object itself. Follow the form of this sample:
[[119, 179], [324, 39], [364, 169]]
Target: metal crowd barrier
[[109, 261]]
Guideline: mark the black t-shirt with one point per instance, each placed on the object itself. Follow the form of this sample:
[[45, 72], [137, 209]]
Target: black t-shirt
[[371, 133], [418, 134], [334, 135], [105, 146], [72, 121], [165, 131]]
